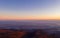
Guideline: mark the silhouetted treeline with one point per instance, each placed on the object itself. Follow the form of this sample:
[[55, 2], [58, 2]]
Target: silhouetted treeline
[[39, 33]]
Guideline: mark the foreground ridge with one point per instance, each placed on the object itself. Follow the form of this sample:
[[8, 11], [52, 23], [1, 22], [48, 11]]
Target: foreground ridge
[[35, 33]]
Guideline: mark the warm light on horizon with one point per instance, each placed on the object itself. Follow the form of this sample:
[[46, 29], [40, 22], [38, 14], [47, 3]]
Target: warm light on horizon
[[29, 10], [30, 18]]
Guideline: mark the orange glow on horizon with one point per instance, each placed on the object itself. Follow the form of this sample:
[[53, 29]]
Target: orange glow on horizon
[[29, 18]]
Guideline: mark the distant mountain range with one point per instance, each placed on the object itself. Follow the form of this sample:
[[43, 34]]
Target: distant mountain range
[[30, 24]]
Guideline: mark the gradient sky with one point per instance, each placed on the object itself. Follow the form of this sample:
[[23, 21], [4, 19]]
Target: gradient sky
[[29, 9]]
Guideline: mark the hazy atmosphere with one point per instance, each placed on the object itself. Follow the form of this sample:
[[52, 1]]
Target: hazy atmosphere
[[29, 9], [29, 18]]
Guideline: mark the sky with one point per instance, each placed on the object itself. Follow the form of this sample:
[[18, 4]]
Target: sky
[[29, 9]]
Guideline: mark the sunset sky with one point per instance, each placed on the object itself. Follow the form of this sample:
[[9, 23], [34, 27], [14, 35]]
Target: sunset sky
[[29, 9]]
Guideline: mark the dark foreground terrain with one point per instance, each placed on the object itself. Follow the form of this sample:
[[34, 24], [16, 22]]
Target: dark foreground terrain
[[35, 33]]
